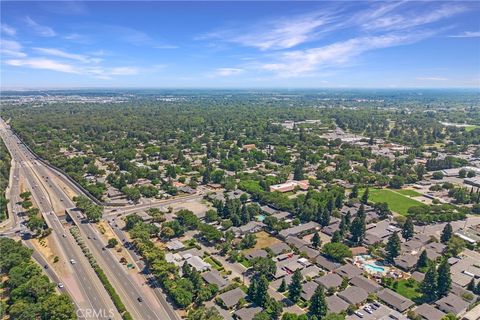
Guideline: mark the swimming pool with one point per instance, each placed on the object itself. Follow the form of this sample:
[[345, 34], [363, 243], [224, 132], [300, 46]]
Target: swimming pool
[[260, 217], [374, 268], [369, 265]]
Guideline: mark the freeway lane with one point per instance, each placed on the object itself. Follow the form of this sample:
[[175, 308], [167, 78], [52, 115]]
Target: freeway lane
[[129, 291], [150, 278], [84, 286]]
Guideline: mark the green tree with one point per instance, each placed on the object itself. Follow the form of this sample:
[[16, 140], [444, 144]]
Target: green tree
[[471, 285], [295, 286], [264, 266], [283, 286], [22, 310], [393, 246], [407, 229], [261, 295], [446, 233], [455, 245], [354, 193], [422, 261], [365, 195], [57, 308], [444, 278], [318, 305], [337, 251], [429, 285], [396, 182], [316, 242], [357, 229], [204, 313], [112, 242]]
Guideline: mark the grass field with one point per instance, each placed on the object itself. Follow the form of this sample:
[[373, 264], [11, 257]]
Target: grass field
[[408, 290], [396, 201], [470, 128], [408, 192]]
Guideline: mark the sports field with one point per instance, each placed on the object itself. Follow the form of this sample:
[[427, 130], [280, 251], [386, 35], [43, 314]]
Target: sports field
[[396, 201], [408, 192]]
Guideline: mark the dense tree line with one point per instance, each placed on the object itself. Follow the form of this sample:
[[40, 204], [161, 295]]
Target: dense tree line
[[5, 160], [30, 294]]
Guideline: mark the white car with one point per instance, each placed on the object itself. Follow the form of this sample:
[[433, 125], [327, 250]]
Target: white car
[[72, 261], [358, 313], [60, 285]]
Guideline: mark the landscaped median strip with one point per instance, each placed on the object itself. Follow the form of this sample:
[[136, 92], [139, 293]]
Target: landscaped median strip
[[101, 275]]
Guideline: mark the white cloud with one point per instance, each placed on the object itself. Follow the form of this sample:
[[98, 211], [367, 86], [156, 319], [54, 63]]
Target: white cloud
[[39, 29], [467, 34], [61, 54], [281, 33], [226, 72], [42, 63], [401, 21], [11, 48], [8, 30], [72, 56], [378, 18], [432, 79], [301, 62], [99, 72]]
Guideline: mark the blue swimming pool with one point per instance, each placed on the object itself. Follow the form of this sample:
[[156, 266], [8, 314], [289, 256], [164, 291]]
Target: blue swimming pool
[[374, 268], [260, 217]]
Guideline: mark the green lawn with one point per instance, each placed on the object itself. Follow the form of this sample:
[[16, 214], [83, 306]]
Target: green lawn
[[470, 128], [396, 201], [408, 291], [408, 192]]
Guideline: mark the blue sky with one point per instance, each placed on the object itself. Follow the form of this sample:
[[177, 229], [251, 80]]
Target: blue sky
[[240, 44]]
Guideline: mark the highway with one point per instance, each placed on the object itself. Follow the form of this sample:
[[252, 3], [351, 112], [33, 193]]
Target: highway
[[80, 280], [139, 299], [149, 277]]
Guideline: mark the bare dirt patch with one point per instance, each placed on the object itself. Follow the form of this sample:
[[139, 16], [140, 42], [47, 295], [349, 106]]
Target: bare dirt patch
[[49, 250], [264, 240], [107, 233]]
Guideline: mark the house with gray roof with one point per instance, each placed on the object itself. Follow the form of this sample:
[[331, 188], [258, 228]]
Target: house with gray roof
[[434, 250], [198, 263], [348, 271], [230, 298], [452, 303], [353, 295], [281, 215], [330, 281], [257, 253], [308, 289], [305, 228], [326, 264], [366, 284], [428, 312], [247, 313], [331, 228], [214, 277], [279, 247], [336, 305], [311, 271], [296, 242], [394, 300], [268, 210], [406, 261], [418, 276], [310, 252]]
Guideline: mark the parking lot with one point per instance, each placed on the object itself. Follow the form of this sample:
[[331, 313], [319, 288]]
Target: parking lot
[[383, 312]]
